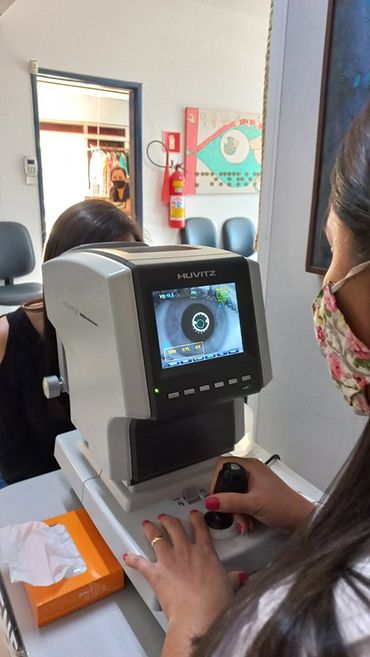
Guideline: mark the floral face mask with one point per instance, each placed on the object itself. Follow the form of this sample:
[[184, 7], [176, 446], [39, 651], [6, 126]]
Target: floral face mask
[[348, 358]]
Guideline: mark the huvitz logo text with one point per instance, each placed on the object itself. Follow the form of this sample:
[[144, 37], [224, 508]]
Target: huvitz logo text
[[197, 274]]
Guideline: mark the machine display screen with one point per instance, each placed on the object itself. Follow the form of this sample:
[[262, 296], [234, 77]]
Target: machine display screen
[[197, 323]]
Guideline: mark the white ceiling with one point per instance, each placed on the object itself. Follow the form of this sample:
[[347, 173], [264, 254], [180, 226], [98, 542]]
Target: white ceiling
[[256, 8]]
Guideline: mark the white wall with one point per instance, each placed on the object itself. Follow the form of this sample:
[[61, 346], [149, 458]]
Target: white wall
[[198, 56], [300, 414], [201, 56]]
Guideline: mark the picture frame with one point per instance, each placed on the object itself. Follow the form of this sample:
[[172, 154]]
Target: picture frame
[[345, 88]]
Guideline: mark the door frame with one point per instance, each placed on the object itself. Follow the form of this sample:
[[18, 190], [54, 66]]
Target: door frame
[[135, 126]]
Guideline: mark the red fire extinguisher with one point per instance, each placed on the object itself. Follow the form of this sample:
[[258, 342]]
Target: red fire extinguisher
[[176, 216]]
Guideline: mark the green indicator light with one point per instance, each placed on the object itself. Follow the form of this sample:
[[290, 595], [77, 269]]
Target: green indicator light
[[156, 390]]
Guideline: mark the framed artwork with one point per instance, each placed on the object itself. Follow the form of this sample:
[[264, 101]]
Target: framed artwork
[[344, 91], [222, 151]]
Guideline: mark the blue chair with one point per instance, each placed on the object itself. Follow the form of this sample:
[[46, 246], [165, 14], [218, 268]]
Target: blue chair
[[238, 235], [17, 258], [200, 231]]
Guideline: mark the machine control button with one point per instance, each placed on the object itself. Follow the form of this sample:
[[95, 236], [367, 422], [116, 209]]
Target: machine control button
[[52, 386], [233, 381], [219, 384], [173, 395], [204, 388], [246, 377], [232, 478], [189, 391], [191, 494]]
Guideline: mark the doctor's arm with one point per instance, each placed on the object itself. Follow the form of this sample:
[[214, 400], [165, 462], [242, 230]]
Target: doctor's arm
[[269, 499]]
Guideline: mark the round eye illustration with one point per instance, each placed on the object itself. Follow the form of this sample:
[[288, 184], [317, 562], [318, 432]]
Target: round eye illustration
[[197, 322], [234, 146]]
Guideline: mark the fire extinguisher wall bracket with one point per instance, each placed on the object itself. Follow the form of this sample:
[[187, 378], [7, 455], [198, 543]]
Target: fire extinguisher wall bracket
[[176, 217]]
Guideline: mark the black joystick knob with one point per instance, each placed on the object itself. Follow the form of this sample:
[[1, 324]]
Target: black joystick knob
[[232, 478]]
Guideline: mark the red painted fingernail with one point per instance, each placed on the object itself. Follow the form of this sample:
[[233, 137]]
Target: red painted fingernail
[[124, 556], [161, 515], [194, 511], [145, 522], [243, 578], [212, 503]]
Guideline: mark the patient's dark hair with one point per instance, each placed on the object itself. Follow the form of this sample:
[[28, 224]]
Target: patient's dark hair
[[350, 183], [88, 222], [312, 563], [84, 223]]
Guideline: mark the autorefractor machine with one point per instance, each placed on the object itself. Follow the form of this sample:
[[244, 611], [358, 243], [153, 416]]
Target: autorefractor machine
[[158, 349]]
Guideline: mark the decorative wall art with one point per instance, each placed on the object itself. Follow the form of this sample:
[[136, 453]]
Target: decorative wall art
[[344, 91], [222, 151]]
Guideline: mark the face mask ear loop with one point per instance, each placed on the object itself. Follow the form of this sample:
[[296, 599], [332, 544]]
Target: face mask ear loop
[[352, 272]]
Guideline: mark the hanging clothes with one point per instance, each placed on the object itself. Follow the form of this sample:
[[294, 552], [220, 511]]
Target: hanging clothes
[[123, 162]]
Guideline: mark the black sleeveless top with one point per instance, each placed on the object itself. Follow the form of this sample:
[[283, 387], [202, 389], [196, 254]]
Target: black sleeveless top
[[28, 423]]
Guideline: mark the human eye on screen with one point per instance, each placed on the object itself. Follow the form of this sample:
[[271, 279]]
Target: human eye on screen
[[209, 319]]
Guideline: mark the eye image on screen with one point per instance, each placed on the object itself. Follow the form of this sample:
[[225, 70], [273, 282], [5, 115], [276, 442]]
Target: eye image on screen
[[197, 323]]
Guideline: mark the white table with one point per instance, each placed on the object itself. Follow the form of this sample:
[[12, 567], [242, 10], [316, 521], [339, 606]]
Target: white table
[[121, 625], [118, 626]]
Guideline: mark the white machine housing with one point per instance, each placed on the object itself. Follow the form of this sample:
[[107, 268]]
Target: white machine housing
[[148, 428], [97, 298]]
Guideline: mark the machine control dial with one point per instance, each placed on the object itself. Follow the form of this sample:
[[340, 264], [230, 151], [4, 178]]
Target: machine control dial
[[52, 386]]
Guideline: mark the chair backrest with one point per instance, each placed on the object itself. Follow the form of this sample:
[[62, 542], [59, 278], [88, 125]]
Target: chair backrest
[[238, 235], [17, 257], [199, 230]]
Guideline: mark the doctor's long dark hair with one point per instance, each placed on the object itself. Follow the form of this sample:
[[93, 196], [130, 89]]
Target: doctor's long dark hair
[[312, 563], [88, 222]]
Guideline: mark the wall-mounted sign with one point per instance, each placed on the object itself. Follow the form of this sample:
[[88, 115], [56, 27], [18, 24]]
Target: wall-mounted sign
[[222, 151], [172, 141]]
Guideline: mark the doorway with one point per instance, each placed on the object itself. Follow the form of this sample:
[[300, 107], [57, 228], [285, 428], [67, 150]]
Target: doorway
[[85, 129]]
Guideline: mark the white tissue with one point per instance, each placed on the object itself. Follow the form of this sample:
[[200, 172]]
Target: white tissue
[[39, 554]]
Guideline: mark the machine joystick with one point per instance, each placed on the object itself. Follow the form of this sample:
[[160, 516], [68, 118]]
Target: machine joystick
[[232, 478]]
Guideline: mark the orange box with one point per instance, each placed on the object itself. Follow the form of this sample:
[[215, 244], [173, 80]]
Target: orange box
[[103, 576]]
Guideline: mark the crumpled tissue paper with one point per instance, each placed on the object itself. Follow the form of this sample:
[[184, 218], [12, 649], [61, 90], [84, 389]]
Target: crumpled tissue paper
[[39, 554]]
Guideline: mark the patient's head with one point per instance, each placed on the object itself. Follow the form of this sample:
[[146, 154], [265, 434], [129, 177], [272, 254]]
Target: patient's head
[[88, 222]]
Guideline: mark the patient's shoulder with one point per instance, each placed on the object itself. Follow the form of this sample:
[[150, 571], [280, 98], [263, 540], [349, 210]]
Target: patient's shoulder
[[4, 333]]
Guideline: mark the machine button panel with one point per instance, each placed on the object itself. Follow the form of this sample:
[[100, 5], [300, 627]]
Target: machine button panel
[[206, 387]]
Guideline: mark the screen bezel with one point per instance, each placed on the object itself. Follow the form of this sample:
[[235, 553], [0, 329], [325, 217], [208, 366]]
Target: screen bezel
[[150, 278]]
